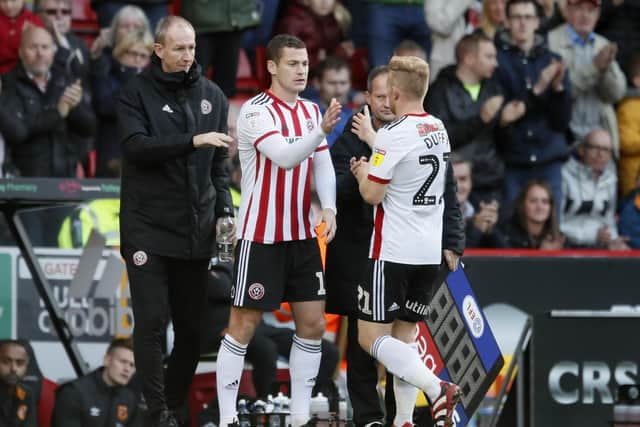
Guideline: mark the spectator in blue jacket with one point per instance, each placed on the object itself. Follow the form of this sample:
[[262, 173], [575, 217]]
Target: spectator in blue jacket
[[537, 100]]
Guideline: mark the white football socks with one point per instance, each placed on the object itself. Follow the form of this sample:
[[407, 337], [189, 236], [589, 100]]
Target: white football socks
[[304, 362], [403, 361], [229, 368]]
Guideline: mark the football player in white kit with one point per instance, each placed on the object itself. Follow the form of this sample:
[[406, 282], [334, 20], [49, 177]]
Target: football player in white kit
[[405, 180]]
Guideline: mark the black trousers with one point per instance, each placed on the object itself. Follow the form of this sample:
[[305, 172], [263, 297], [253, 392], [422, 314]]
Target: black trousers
[[362, 379], [161, 289], [221, 51]]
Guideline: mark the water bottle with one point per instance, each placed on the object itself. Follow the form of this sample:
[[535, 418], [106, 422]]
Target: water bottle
[[274, 418], [320, 407], [243, 414], [342, 411], [224, 240], [269, 406], [284, 404]]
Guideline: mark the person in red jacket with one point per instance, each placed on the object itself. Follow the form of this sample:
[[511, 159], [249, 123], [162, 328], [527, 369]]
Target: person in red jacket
[[13, 17], [315, 23]]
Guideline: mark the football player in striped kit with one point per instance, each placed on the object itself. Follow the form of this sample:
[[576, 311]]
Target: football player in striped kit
[[282, 145]]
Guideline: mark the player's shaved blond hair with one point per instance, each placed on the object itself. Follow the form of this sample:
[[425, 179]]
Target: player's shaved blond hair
[[410, 75]]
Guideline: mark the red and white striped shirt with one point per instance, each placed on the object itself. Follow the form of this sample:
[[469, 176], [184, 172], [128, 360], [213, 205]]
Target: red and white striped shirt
[[277, 145]]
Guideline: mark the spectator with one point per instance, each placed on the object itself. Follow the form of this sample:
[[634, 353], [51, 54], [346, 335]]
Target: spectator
[[469, 102], [219, 26], [537, 104], [108, 10], [480, 227], [596, 79], [129, 19], [629, 224], [40, 109], [619, 23], [14, 17], [390, 22], [550, 16], [446, 18], [334, 82], [534, 224], [408, 47], [629, 127], [102, 397], [129, 57], [72, 54], [314, 22], [260, 35], [493, 17], [17, 404], [589, 188]]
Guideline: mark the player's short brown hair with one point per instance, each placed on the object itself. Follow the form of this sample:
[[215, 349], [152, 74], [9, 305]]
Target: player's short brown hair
[[279, 42], [410, 75]]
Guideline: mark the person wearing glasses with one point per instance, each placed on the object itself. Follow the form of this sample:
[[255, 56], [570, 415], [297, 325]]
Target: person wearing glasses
[[537, 95], [72, 53], [14, 16], [129, 57], [590, 185]]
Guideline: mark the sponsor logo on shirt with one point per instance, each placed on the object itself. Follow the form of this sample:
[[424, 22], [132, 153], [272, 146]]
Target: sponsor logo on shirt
[[167, 109], [425, 128]]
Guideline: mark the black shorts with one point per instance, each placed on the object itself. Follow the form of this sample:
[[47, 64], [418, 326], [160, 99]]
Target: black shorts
[[396, 291], [266, 275]]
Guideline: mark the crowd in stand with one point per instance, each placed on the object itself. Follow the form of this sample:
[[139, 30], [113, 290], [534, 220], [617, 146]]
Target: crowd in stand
[[529, 91]]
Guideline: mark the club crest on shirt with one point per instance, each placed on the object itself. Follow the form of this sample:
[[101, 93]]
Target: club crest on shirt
[[378, 156], [122, 413], [205, 106], [256, 291], [140, 258], [309, 125]]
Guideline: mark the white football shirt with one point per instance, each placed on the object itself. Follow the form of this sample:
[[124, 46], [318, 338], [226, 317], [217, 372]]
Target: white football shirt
[[410, 155], [275, 203]]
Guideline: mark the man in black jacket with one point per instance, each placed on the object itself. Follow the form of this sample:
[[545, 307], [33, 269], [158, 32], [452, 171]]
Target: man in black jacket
[[41, 108], [174, 186], [101, 398], [347, 254], [469, 102], [17, 402]]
